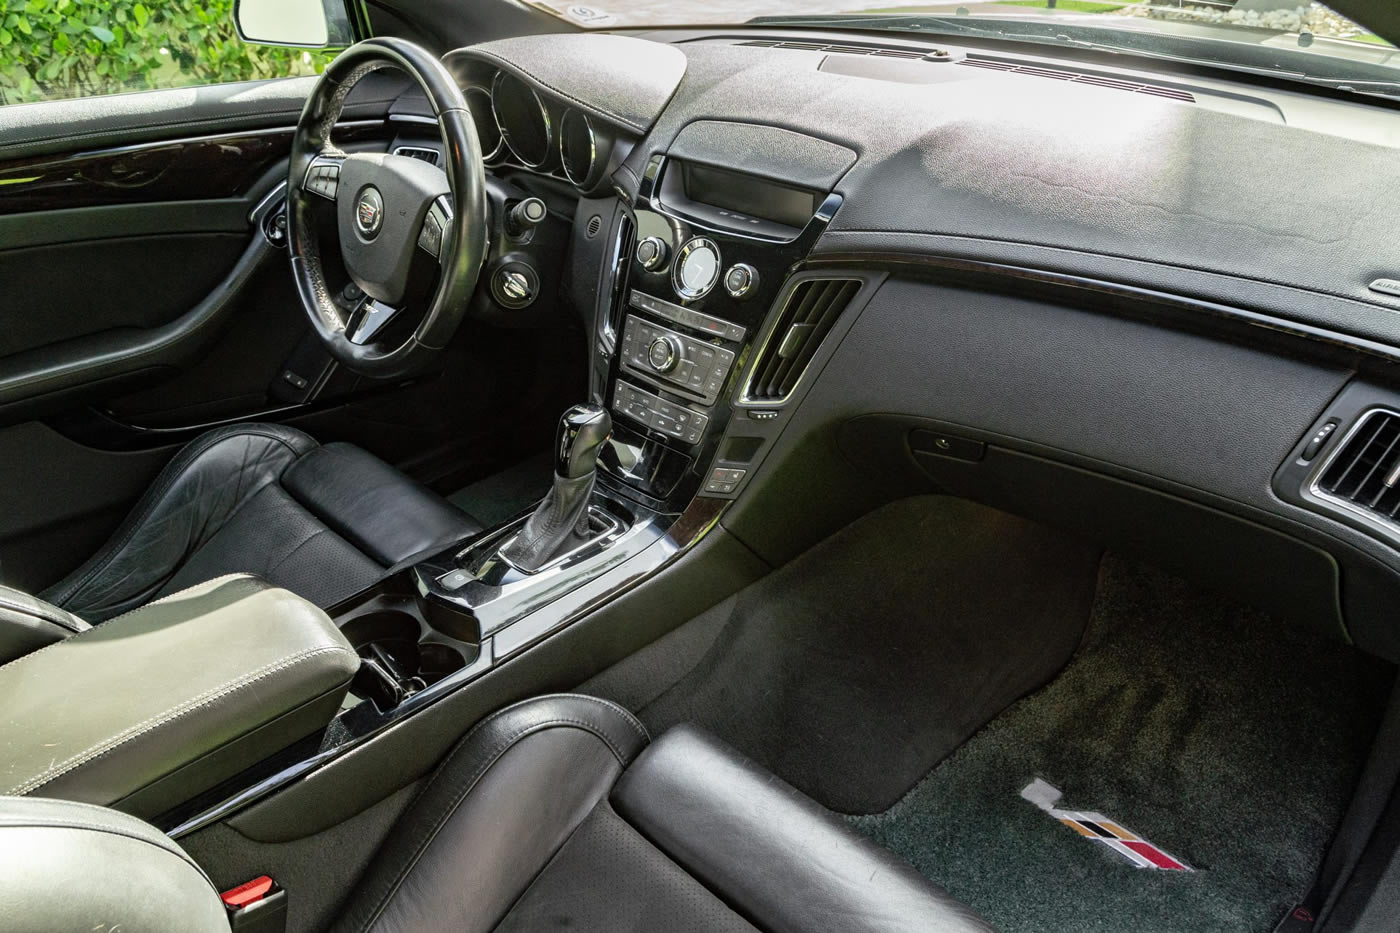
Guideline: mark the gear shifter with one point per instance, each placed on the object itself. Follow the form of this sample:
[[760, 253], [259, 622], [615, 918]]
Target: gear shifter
[[561, 520]]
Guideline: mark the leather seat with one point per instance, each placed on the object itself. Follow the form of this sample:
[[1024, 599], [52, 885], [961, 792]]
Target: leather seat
[[321, 521], [551, 814]]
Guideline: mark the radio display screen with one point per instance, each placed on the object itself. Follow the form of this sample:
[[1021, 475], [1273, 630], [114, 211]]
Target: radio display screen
[[746, 194]]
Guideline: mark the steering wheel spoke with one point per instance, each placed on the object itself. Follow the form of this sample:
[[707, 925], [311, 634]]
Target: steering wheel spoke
[[367, 320], [323, 175], [437, 223]]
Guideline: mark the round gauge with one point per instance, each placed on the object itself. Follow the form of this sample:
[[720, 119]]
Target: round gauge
[[697, 268], [578, 147], [488, 134], [523, 119]]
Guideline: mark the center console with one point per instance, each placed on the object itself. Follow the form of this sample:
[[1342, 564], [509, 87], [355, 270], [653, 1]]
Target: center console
[[695, 285], [698, 339]]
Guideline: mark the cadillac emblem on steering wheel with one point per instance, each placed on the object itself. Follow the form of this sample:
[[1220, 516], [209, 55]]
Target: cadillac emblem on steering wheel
[[369, 212]]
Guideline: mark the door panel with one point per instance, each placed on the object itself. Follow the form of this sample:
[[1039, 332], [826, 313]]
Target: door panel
[[145, 304]]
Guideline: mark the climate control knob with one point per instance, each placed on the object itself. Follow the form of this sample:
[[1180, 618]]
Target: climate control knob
[[651, 253], [664, 353]]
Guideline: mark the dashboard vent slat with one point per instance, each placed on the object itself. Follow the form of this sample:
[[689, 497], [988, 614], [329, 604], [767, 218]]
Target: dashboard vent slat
[[989, 64], [804, 321], [421, 153], [1365, 471], [1075, 77]]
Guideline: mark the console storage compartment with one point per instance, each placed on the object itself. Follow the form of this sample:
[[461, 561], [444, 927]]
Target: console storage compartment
[[158, 705]]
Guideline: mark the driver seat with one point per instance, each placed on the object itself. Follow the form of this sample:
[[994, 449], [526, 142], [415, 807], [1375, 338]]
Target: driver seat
[[324, 521]]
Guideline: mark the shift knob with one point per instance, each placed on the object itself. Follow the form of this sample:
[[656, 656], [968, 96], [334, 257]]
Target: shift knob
[[582, 432]]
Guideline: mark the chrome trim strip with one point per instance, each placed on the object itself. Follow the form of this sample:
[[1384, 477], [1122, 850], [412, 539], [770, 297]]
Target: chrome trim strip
[[544, 115], [592, 147], [497, 150]]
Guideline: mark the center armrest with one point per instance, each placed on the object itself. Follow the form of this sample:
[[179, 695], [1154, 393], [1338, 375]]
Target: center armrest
[[147, 710]]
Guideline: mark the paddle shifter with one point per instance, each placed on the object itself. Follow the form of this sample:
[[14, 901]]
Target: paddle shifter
[[561, 521]]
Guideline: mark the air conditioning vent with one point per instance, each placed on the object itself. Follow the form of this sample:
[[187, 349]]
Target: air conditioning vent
[[418, 152], [1365, 471], [803, 323], [1075, 77]]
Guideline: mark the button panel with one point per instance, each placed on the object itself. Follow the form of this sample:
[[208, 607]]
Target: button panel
[[724, 480], [669, 418], [694, 364], [323, 178], [694, 319]]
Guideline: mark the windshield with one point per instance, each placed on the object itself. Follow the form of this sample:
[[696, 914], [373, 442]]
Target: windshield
[[1308, 42]]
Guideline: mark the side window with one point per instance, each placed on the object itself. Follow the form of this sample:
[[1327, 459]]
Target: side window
[[55, 49]]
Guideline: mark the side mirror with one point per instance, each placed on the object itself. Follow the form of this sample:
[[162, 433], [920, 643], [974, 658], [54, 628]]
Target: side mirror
[[311, 24]]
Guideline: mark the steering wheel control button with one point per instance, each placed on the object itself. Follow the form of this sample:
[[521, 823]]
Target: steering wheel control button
[[697, 268], [692, 319], [369, 212], [663, 354], [684, 361], [670, 418], [741, 280], [652, 253], [322, 178], [515, 285], [435, 227]]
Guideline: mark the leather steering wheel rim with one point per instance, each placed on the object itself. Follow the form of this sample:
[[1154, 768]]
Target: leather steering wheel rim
[[463, 245]]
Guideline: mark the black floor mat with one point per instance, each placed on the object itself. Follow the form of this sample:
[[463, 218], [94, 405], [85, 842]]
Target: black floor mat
[[498, 497], [1226, 739], [853, 670]]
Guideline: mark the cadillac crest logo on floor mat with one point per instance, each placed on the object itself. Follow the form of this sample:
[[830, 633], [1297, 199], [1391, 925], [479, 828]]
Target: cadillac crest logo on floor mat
[[1099, 828]]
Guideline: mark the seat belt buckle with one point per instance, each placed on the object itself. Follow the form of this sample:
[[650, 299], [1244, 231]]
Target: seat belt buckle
[[257, 906]]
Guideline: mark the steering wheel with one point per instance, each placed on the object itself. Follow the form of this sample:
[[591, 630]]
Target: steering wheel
[[390, 210]]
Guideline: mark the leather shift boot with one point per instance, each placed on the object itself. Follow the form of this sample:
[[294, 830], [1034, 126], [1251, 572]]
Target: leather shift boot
[[560, 523]]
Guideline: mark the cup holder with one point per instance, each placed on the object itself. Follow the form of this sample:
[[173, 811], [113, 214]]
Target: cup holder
[[394, 664]]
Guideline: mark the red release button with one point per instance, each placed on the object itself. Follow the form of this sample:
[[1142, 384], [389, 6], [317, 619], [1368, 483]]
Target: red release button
[[249, 892]]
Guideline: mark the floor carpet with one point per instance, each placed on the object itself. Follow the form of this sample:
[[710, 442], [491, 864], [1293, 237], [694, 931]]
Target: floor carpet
[[856, 668], [500, 496], [1228, 740]]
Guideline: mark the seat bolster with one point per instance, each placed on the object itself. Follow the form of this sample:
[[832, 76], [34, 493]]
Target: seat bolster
[[72, 866], [27, 624], [772, 853], [373, 506], [502, 803], [190, 500]]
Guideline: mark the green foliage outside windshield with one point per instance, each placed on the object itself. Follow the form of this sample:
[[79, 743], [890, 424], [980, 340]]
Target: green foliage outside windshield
[[52, 49]]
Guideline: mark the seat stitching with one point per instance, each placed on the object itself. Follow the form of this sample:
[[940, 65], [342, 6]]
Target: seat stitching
[[116, 618], [157, 494], [492, 757], [170, 715]]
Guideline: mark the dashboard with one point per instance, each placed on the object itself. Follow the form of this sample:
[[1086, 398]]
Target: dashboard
[[817, 271]]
